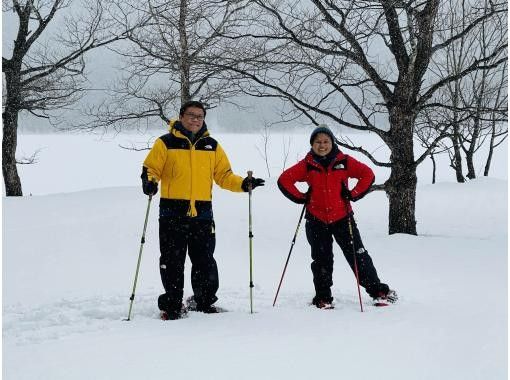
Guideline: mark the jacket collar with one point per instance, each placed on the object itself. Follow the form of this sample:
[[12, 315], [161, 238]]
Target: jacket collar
[[328, 161], [178, 127]]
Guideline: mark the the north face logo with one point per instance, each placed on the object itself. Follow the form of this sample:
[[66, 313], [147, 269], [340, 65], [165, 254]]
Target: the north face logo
[[208, 147], [339, 166]]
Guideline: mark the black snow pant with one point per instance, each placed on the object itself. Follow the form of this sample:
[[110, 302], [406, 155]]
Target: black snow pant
[[320, 236], [197, 237]]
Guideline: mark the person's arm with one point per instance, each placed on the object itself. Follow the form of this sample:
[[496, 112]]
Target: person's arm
[[153, 167], [363, 174], [155, 161], [288, 179], [223, 174]]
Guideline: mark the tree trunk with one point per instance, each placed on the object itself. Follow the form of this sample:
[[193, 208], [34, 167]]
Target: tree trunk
[[433, 168], [184, 58], [491, 151], [470, 153], [471, 174], [401, 185], [487, 168], [402, 194], [457, 157], [12, 77], [9, 143]]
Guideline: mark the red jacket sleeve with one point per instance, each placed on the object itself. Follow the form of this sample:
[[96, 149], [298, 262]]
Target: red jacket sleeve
[[363, 174], [287, 182]]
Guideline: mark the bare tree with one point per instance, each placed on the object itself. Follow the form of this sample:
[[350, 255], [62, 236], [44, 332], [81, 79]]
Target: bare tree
[[46, 69], [363, 65], [264, 136], [498, 129], [440, 131], [430, 141], [487, 97], [452, 62], [168, 60], [286, 143], [471, 103]]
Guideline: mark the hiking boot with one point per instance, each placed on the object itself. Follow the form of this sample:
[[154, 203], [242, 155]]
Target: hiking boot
[[384, 299], [173, 315], [192, 305], [325, 305], [322, 304], [209, 309]]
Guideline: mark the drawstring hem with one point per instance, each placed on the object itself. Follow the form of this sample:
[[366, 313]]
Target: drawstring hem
[[192, 211]]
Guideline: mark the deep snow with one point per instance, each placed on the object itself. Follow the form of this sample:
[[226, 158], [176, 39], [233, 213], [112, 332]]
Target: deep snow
[[70, 251]]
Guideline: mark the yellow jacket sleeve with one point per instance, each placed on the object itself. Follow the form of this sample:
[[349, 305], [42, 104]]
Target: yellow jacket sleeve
[[155, 160], [223, 174]]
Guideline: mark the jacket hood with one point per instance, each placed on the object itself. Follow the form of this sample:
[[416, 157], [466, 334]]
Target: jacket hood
[[171, 124]]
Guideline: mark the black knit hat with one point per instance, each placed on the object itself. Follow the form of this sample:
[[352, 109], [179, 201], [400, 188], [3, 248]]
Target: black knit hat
[[322, 129]]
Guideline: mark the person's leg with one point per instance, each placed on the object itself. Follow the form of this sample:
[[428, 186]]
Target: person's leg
[[173, 237], [321, 244], [204, 270], [366, 270]]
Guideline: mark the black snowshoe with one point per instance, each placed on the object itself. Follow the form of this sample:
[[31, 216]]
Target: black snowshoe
[[191, 305]]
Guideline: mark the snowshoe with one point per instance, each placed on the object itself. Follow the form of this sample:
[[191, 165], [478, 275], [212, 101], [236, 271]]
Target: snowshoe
[[210, 309], [385, 299], [322, 304], [173, 315], [191, 305], [325, 305]]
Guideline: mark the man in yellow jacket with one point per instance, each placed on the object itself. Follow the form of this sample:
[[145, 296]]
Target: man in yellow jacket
[[186, 161]]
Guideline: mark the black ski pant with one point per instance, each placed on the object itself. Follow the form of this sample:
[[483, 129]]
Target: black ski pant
[[320, 236], [197, 237]]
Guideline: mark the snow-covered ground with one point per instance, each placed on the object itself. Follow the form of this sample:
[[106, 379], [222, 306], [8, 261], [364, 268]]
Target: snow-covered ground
[[70, 252]]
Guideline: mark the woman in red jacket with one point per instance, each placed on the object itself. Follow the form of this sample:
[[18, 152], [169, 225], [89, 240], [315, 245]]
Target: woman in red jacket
[[328, 210]]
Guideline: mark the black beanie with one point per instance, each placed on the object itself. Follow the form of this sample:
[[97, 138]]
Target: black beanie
[[322, 129]]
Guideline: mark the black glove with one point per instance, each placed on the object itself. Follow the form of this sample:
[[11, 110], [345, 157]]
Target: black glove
[[253, 182], [149, 187], [346, 194], [308, 195]]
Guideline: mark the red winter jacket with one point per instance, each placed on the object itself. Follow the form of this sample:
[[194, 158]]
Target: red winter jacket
[[326, 202]]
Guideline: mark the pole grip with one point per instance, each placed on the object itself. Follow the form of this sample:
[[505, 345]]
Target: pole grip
[[250, 176]]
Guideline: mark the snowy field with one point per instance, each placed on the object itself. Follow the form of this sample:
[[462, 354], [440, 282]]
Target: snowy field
[[70, 251]]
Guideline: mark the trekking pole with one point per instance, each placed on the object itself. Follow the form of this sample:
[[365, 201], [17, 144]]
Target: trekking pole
[[250, 235], [132, 298], [351, 234], [290, 251]]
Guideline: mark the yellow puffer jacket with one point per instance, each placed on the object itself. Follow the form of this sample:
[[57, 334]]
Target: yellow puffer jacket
[[187, 170]]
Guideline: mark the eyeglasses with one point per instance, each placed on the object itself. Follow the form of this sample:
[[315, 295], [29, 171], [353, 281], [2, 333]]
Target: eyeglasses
[[192, 116]]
